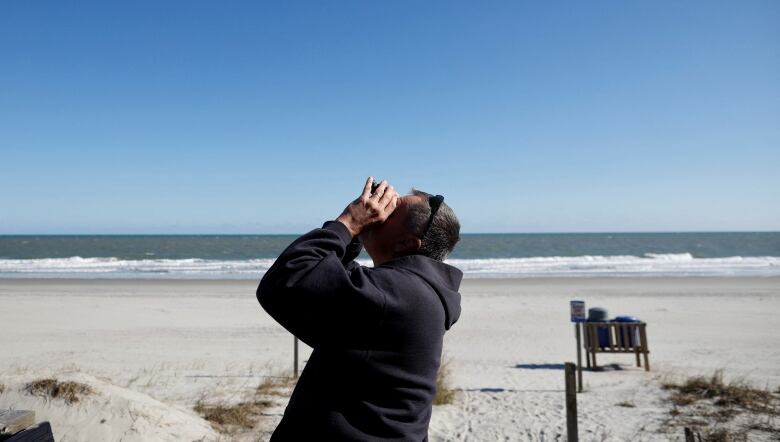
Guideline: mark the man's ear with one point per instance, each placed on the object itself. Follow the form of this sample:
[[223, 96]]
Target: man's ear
[[407, 245]]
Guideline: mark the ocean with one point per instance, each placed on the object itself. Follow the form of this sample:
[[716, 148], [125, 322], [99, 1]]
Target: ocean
[[478, 255]]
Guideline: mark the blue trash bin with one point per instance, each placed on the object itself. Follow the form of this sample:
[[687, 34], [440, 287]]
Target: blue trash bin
[[598, 314], [631, 339]]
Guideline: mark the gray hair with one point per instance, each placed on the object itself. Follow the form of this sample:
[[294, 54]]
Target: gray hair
[[444, 232]]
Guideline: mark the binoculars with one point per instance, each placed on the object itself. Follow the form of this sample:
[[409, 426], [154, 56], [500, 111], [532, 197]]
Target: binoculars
[[374, 185]]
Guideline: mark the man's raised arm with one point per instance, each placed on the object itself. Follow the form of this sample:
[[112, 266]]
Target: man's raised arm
[[309, 289]]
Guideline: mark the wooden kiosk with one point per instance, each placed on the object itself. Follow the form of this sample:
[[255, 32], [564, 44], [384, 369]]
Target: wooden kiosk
[[615, 337], [607, 337]]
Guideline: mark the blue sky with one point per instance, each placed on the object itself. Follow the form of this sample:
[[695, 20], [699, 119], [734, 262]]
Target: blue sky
[[266, 117]]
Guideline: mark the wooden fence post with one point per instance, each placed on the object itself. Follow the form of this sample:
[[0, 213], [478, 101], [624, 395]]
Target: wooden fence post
[[690, 436], [295, 357], [578, 327], [571, 402]]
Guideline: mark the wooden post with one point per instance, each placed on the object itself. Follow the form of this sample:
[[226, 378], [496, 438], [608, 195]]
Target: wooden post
[[643, 341], [577, 327], [586, 336], [571, 403], [295, 357]]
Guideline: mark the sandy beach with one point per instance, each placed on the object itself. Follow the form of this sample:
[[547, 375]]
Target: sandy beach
[[151, 349], [159, 158]]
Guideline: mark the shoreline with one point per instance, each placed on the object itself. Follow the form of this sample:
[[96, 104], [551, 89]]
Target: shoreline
[[557, 287], [573, 287], [500, 280]]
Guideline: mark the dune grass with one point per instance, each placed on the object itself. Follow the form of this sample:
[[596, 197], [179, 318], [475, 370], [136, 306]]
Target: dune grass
[[723, 435], [70, 392], [232, 418], [736, 395], [710, 406], [445, 393], [275, 385]]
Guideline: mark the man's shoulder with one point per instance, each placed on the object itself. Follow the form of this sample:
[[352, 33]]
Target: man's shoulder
[[403, 276], [391, 272]]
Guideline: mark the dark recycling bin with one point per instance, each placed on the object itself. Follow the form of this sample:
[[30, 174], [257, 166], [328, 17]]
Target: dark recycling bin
[[631, 338], [598, 314]]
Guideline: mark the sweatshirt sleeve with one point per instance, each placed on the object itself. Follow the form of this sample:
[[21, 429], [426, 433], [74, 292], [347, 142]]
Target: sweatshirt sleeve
[[316, 292], [353, 249]]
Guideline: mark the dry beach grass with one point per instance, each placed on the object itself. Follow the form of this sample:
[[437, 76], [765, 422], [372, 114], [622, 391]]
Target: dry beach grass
[[723, 411], [50, 388], [445, 394], [234, 418]]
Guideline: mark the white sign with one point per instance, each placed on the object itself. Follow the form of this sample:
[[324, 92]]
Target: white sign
[[577, 311]]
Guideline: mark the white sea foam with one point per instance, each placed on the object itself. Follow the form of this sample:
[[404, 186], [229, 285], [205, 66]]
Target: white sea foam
[[650, 264], [77, 266]]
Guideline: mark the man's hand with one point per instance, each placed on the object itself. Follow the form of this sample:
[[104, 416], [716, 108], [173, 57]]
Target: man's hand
[[368, 209]]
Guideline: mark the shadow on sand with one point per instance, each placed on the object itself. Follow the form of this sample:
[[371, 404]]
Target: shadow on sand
[[608, 367], [540, 366]]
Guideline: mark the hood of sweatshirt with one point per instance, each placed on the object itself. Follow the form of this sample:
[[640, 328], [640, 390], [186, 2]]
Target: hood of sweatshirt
[[443, 278]]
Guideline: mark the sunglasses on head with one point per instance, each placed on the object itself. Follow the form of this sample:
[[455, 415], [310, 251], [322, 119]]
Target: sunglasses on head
[[435, 202]]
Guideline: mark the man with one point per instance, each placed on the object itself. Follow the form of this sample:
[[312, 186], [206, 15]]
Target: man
[[376, 332]]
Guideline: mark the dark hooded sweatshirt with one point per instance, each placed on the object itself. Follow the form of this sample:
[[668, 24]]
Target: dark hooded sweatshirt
[[376, 334]]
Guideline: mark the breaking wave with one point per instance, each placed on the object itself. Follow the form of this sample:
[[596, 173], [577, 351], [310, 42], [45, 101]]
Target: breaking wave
[[650, 264]]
